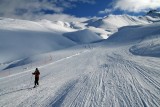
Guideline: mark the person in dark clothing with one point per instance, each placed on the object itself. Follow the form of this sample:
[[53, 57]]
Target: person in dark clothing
[[36, 73]]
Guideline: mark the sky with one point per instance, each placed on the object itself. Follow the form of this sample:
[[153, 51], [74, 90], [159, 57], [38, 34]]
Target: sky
[[66, 9]]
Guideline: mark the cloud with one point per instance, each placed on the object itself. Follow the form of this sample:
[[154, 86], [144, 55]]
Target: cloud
[[22, 7], [31, 8], [136, 5], [105, 11], [61, 17]]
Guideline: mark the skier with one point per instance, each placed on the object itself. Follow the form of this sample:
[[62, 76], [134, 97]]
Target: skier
[[36, 73]]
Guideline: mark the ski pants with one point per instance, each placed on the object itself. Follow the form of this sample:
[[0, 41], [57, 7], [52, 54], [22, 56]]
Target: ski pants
[[36, 81]]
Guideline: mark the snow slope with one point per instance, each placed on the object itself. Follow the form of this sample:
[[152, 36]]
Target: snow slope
[[135, 33], [83, 36], [149, 47], [147, 39], [21, 38], [113, 22], [20, 44], [39, 25], [105, 74], [99, 77]]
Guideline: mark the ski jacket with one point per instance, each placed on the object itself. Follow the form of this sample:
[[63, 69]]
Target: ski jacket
[[36, 73]]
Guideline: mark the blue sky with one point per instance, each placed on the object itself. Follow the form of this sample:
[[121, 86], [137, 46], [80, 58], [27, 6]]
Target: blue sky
[[93, 9], [83, 10], [28, 9], [86, 9]]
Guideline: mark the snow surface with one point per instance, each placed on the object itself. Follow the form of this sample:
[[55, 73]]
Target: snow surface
[[136, 33], [20, 38], [102, 76], [83, 36], [113, 22], [122, 71]]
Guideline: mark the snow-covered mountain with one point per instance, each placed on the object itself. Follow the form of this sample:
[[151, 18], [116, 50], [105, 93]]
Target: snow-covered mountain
[[121, 71], [22, 38], [113, 22], [154, 13]]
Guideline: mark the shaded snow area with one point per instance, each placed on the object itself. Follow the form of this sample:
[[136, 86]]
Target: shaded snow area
[[136, 33], [147, 39], [147, 48], [83, 36], [20, 44], [122, 71], [20, 38]]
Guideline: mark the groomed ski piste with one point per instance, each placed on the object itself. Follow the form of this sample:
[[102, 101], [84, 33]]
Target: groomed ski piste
[[122, 71]]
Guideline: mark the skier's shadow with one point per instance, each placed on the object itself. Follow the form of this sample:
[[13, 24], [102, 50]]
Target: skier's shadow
[[15, 91]]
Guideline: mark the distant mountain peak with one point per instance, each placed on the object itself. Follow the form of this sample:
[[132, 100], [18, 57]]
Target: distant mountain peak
[[153, 13]]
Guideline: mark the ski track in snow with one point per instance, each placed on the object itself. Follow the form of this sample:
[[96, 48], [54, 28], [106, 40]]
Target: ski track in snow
[[101, 77]]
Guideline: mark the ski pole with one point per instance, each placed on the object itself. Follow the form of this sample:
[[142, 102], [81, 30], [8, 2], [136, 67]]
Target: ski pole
[[30, 81]]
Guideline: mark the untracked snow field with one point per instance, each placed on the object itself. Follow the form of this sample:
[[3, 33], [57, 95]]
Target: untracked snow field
[[101, 76]]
